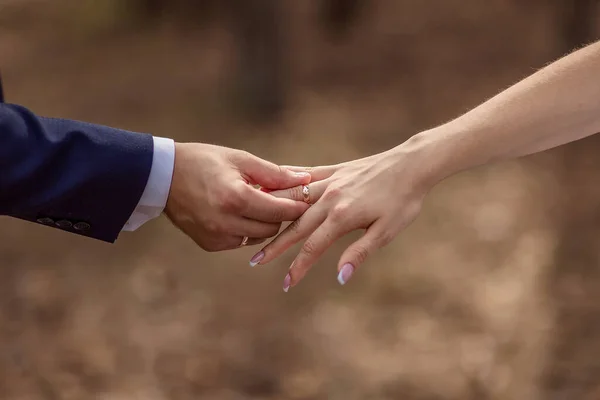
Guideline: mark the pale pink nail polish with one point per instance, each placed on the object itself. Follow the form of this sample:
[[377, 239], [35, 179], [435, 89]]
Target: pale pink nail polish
[[286, 283], [257, 258], [302, 174], [345, 273]]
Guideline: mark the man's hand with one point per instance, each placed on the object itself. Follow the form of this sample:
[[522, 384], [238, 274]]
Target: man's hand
[[212, 199]]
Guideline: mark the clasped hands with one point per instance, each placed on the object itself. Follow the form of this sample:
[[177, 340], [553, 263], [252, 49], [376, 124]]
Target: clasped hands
[[215, 201]]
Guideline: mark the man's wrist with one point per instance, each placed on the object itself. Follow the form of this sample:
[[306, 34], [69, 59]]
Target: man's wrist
[[154, 198], [179, 156]]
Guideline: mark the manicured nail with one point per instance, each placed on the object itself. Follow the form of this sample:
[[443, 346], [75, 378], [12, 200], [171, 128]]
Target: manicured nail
[[286, 283], [345, 273], [302, 174], [257, 258]]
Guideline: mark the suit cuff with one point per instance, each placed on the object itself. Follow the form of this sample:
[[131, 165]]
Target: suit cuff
[[154, 199]]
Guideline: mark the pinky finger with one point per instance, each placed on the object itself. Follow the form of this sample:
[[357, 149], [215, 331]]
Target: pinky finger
[[356, 254]]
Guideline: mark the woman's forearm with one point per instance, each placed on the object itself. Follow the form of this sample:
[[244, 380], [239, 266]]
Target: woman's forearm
[[557, 105], [384, 193]]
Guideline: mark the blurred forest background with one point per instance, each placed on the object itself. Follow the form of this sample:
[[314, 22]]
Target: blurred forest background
[[493, 293]]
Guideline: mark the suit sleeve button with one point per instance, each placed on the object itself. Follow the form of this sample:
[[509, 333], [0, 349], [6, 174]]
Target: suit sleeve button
[[82, 226], [64, 224], [45, 221]]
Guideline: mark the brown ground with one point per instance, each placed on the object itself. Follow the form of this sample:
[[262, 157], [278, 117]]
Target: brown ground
[[455, 308]]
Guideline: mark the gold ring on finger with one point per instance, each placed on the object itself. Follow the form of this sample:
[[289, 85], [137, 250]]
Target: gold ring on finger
[[306, 194]]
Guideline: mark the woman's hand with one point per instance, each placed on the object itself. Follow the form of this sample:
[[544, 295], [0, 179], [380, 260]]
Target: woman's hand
[[556, 105], [382, 194]]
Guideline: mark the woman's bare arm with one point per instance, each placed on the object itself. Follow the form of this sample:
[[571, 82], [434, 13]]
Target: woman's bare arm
[[556, 105], [384, 193]]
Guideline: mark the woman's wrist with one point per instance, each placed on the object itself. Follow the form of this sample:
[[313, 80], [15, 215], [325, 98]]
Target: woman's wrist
[[434, 155]]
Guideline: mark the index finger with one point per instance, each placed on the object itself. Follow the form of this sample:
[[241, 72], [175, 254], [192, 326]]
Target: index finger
[[316, 173]]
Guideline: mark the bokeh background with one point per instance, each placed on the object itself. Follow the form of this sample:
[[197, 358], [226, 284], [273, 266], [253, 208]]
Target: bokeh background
[[493, 293]]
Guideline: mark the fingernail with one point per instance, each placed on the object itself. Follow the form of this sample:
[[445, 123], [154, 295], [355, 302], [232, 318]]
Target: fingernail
[[257, 258], [286, 283], [345, 273], [302, 174]]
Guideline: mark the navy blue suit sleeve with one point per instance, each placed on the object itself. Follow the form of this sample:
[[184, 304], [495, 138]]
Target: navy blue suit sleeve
[[75, 176]]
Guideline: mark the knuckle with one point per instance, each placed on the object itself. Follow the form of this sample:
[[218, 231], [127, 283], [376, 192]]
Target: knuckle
[[341, 212], [309, 248], [360, 253], [212, 226], [414, 210], [385, 238], [240, 156], [232, 201], [278, 214], [277, 179], [332, 193], [295, 193]]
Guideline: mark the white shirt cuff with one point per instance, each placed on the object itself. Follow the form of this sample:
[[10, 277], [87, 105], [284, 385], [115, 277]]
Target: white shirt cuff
[[154, 199]]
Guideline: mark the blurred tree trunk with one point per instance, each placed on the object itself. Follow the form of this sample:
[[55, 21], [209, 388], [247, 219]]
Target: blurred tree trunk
[[260, 75], [152, 8], [338, 16], [188, 11], [574, 282], [259, 78]]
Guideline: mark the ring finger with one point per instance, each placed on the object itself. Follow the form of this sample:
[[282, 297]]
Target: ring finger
[[297, 193], [250, 241], [232, 242]]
